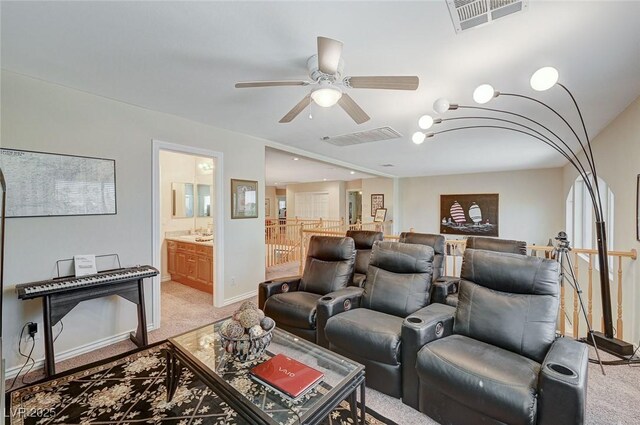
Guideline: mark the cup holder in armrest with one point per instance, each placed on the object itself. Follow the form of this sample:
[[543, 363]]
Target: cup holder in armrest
[[326, 298], [562, 370], [414, 320]]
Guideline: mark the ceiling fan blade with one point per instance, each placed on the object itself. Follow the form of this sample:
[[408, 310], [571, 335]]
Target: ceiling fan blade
[[386, 83], [352, 108], [247, 84], [297, 109], [329, 52]]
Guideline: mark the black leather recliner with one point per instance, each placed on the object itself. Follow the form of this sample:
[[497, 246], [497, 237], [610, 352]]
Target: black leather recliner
[[365, 324], [364, 240], [496, 359], [436, 242], [474, 242], [291, 301]]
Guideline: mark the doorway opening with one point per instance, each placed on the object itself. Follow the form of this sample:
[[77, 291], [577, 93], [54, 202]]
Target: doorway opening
[[187, 233], [354, 206]]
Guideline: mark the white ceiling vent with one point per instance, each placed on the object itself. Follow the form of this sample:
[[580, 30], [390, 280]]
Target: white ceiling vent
[[368, 136], [467, 14]]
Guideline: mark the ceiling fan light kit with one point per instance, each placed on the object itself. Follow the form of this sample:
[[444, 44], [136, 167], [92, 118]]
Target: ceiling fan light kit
[[326, 96], [326, 71]]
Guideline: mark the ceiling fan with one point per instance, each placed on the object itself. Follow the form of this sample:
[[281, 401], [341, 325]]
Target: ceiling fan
[[326, 73]]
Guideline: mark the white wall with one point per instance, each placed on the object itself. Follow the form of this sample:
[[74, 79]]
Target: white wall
[[335, 189], [45, 117], [376, 185], [180, 168], [617, 154], [531, 203]]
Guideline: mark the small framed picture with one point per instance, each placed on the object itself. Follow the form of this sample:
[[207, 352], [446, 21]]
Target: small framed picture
[[244, 199], [638, 208], [377, 202], [381, 214]]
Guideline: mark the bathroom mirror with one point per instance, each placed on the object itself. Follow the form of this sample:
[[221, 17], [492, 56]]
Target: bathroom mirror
[[182, 200], [204, 200]]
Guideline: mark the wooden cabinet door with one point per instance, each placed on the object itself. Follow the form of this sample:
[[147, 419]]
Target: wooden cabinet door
[[171, 261], [191, 266], [205, 270], [181, 263]]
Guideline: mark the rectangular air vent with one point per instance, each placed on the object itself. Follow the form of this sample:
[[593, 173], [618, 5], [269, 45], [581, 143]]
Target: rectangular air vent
[[368, 136], [467, 14]]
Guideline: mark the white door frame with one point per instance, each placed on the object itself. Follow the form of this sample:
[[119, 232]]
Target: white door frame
[[218, 255]]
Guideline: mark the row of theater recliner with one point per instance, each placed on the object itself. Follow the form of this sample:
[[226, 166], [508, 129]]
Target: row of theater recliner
[[481, 348]]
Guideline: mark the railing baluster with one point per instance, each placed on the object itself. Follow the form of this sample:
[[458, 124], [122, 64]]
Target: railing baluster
[[619, 333], [563, 311], [576, 316], [590, 291]]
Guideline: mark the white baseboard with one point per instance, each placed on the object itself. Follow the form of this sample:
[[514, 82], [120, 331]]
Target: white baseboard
[[165, 277], [241, 297], [82, 349]]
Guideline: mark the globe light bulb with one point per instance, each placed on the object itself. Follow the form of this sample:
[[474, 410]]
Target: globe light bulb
[[326, 96], [483, 93], [418, 137], [544, 78], [425, 122], [441, 105]]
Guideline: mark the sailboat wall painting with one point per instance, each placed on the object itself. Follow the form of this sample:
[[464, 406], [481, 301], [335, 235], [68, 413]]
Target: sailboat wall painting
[[469, 214]]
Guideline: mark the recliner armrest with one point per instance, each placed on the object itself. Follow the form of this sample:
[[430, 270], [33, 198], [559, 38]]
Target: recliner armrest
[[334, 303], [442, 287], [425, 325], [276, 286], [562, 385]]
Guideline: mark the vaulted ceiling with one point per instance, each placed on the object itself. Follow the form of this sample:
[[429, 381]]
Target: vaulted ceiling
[[183, 58]]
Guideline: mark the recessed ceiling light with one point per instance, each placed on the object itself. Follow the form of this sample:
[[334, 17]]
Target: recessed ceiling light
[[276, 183], [352, 172], [324, 180], [295, 158]]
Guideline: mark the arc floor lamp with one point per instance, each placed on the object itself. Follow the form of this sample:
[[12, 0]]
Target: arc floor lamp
[[543, 79]]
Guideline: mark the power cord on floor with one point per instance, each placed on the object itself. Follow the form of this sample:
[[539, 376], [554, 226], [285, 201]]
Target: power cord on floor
[[28, 356]]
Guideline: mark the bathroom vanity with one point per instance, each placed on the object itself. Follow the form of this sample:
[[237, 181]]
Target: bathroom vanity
[[190, 262]]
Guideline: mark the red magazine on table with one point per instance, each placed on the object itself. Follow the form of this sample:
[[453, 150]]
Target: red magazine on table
[[287, 375]]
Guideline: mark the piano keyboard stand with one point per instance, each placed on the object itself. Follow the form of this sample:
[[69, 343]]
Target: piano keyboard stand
[[57, 303]]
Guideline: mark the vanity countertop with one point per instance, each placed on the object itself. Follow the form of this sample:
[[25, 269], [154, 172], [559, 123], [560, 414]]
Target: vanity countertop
[[191, 239]]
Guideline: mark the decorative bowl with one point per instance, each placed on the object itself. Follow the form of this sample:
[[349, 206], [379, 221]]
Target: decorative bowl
[[247, 348]]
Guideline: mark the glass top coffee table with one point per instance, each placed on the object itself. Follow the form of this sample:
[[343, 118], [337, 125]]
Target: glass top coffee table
[[201, 352]]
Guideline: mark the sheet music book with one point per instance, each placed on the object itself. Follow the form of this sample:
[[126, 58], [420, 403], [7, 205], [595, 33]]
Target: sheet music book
[[287, 376], [85, 264]]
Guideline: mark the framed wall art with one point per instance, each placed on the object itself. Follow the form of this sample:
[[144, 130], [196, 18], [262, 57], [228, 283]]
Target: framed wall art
[[244, 199], [381, 214], [469, 214], [41, 184], [377, 201]]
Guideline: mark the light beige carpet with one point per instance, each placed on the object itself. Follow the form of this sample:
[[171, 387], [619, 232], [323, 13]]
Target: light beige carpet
[[612, 399]]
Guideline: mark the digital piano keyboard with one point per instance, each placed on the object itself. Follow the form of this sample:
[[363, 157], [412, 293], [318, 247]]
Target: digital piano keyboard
[[31, 290], [60, 296]]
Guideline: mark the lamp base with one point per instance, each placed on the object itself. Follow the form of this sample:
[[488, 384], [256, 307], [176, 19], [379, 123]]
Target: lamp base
[[615, 346]]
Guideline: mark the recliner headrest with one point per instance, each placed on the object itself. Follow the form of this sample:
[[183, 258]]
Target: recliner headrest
[[399, 257], [497, 245], [364, 239], [331, 248], [435, 241], [514, 273]]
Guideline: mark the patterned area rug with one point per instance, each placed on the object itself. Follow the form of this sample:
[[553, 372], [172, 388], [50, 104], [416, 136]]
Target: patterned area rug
[[130, 389]]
